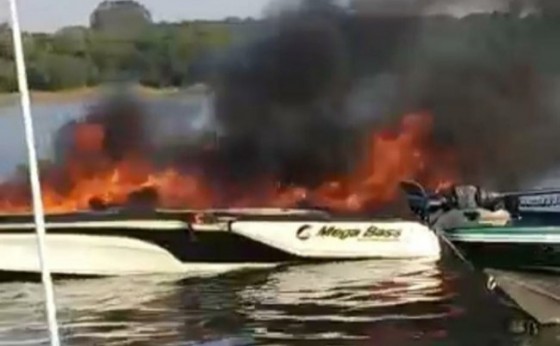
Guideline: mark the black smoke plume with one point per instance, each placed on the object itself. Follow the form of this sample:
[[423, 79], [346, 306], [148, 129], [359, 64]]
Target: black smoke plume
[[492, 99], [285, 107], [292, 104]]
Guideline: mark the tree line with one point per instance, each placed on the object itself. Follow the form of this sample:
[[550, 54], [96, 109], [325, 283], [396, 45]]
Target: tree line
[[122, 43]]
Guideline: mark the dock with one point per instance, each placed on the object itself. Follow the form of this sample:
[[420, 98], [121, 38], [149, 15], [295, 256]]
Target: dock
[[538, 295]]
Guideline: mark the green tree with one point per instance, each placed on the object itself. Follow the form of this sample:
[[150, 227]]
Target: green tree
[[122, 43], [153, 57], [71, 40], [123, 18], [6, 44], [212, 36], [112, 56], [55, 72], [8, 80]]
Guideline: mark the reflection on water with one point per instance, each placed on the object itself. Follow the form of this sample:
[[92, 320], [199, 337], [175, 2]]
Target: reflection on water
[[328, 302], [384, 302]]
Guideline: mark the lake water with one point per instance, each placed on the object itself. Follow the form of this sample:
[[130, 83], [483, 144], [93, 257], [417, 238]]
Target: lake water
[[346, 303], [393, 303]]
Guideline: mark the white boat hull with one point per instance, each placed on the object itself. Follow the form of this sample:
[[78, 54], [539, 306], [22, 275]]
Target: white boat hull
[[348, 240], [88, 255], [106, 247]]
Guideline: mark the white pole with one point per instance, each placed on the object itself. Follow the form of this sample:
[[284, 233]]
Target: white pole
[[38, 212]]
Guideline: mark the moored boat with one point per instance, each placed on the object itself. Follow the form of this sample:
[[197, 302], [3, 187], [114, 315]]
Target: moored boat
[[513, 238], [494, 230]]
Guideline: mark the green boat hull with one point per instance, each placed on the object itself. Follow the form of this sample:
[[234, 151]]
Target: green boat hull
[[531, 248]]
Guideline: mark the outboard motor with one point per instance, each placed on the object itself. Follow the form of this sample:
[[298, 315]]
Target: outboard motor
[[468, 199], [471, 200], [472, 197]]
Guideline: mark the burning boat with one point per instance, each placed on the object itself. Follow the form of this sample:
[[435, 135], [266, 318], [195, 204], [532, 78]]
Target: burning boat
[[128, 241], [118, 206], [513, 237]]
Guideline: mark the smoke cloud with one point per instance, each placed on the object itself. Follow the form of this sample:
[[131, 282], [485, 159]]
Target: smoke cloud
[[492, 97], [290, 108], [299, 102]]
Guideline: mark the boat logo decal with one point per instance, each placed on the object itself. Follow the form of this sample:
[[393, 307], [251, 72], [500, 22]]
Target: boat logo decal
[[340, 233], [370, 233], [540, 201], [377, 233], [304, 232]]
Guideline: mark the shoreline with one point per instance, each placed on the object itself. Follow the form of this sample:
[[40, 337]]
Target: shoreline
[[92, 92]]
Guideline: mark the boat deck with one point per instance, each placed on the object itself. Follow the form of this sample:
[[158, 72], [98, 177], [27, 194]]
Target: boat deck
[[536, 294]]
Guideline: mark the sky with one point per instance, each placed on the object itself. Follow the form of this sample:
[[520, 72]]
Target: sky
[[50, 15]]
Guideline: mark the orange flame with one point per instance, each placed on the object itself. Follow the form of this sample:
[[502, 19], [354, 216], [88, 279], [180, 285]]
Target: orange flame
[[390, 157]]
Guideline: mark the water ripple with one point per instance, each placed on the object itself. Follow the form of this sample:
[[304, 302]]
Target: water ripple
[[331, 303], [329, 297]]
